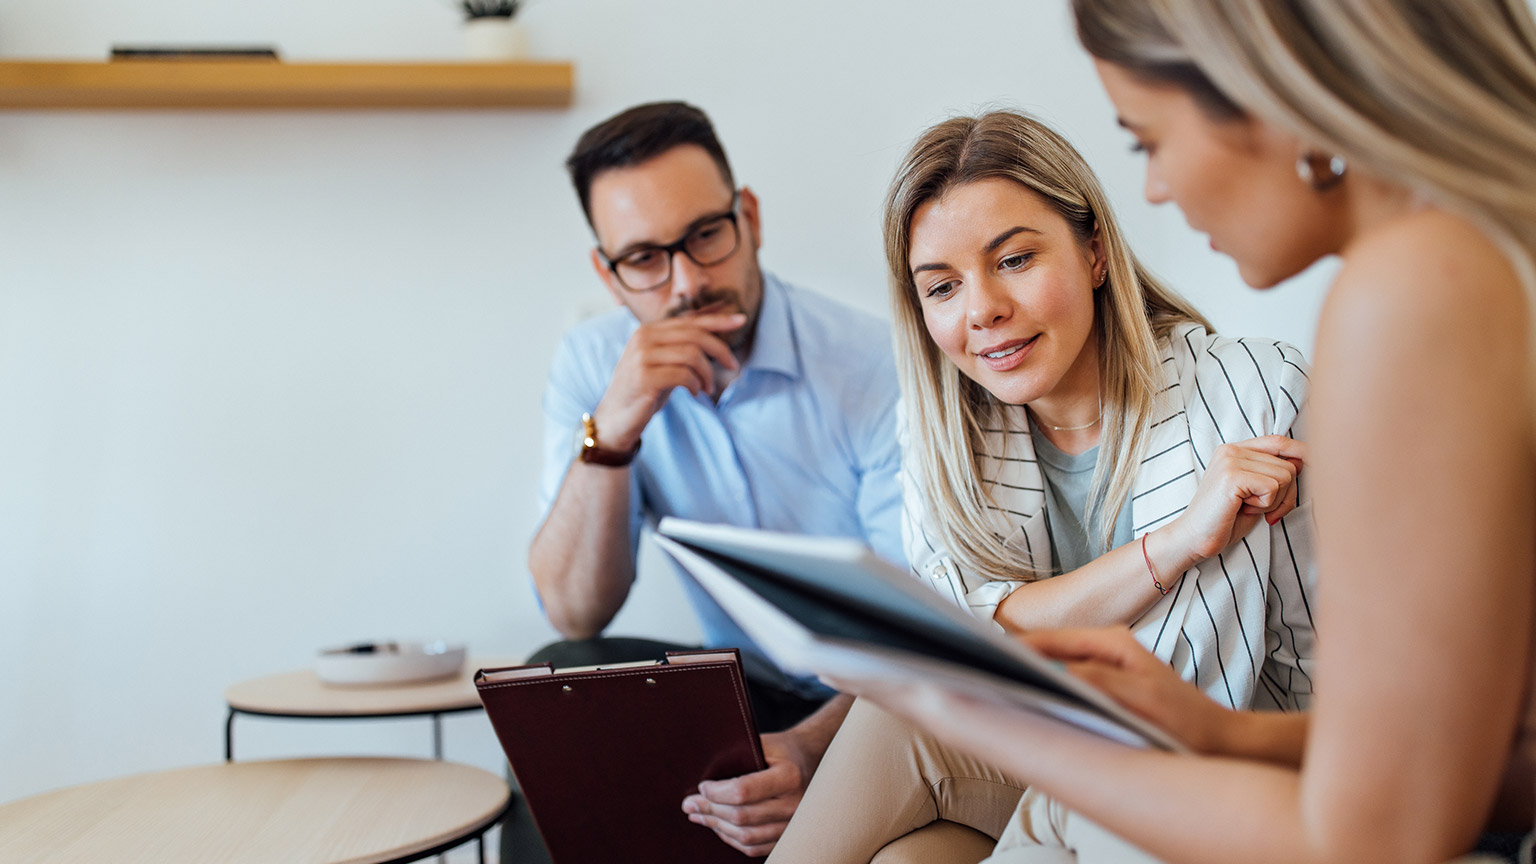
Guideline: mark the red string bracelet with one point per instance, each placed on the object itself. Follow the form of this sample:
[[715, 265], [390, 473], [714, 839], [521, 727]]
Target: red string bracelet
[[1156, 584]]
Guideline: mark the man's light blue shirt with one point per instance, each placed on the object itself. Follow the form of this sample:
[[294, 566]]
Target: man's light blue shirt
[[803, 441]]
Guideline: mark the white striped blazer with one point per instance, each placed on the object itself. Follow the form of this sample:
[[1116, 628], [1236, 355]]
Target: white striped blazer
[[1238, 625]]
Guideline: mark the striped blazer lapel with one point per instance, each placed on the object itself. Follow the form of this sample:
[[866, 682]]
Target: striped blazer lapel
[[1011, 476], [1164, 487], [1167, 479]]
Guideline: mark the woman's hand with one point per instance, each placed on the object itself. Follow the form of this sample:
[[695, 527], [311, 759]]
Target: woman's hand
[[1113, 661], [1246, 481]]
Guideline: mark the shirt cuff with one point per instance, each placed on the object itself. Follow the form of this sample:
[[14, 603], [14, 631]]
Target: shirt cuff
[[983, 601]]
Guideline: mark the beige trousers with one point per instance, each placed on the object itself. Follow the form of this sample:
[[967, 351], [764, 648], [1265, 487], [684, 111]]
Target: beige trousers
[[889, 794], [882, 780], [1042, 831]]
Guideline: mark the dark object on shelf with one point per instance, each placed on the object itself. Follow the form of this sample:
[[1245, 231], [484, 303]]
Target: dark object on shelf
[[490, 8], [264, 53]]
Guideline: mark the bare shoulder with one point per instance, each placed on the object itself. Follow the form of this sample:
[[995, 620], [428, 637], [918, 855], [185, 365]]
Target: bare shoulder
[[1428, 268], [1426, 283], [1426, 312]]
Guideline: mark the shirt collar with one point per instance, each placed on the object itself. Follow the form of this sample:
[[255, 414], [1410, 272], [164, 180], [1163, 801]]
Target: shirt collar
[[773, 346]]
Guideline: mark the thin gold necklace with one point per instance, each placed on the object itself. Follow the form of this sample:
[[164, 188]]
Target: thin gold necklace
[[1089, 425], [1077, 428]]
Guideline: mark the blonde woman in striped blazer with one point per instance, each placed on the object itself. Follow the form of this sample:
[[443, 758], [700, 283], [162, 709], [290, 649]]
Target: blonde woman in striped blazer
[[1034, 349], [1237, 623]]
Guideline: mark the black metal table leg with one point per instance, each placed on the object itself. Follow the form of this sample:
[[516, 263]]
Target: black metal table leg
[[437, 753], [229, 736]]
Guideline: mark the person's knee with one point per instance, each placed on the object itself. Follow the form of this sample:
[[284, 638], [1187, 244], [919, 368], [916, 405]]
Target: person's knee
[[603, 649], [937, 843], [961, 789], [883, 732], [867, 721], [871, 734], [566, 653]]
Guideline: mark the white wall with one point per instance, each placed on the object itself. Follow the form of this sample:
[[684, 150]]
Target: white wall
[[271, 380]]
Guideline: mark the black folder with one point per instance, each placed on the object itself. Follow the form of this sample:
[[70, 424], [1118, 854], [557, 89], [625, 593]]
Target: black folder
[[605, 756]]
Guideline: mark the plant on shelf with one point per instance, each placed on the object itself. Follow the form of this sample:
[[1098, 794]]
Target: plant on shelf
[[474, 9], [491, 30]]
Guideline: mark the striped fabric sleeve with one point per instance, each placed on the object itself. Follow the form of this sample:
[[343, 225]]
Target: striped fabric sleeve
[[1286, 676], [933, 565], [929, 560]]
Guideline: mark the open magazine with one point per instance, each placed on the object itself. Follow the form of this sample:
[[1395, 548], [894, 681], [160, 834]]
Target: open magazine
[[831, 606]]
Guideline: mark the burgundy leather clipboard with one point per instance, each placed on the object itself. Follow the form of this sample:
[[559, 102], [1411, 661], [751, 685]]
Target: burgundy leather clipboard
[[605, 757]]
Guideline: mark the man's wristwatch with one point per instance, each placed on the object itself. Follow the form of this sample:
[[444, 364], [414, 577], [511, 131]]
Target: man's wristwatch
[[592, 454]]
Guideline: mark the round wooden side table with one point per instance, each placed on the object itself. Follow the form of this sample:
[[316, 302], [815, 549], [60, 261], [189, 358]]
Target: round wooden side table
[[303, 811], [302, 695]]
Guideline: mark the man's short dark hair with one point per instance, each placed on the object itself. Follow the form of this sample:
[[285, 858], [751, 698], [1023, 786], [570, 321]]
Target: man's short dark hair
[[638, 135]]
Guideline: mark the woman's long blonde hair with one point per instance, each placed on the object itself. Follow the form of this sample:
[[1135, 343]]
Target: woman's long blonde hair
[[1438, 95], [945, 411]]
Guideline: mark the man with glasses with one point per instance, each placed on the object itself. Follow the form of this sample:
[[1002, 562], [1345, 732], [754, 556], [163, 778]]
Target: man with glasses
[[717, 393]]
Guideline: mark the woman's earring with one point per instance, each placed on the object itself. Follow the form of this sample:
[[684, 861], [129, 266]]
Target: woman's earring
[[1320, 171]]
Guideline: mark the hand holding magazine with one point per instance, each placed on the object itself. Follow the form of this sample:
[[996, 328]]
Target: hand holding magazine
[[830, 606]]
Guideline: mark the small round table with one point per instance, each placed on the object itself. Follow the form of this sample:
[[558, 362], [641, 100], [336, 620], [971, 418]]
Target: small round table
[[301, 694], [315, 811]]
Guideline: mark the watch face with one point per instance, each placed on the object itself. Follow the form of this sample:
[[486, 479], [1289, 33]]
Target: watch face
[[585, 448]]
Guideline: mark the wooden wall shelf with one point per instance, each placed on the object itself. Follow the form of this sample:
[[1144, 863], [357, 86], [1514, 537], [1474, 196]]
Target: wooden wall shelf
[[31, 85]]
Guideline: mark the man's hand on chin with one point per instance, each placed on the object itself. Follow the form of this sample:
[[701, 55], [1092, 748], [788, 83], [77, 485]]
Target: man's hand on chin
[[750, 812]]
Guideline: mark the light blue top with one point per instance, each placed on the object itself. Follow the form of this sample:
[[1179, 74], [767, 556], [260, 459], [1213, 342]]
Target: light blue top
[[1068, 480], [803, 441]]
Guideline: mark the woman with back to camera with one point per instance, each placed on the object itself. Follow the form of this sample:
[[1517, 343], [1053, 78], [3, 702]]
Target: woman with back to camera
[[1401, 136], [1079, 421]]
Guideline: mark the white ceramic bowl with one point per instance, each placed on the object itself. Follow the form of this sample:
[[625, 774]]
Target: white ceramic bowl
[[389, 662]]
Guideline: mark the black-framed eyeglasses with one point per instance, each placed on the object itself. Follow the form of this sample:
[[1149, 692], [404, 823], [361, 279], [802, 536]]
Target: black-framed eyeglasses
[[711, 240]]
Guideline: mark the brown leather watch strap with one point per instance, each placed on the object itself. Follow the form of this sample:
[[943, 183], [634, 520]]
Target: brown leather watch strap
[[593, 454]]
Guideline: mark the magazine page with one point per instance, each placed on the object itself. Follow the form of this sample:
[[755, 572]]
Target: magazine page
[[811, 632]]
